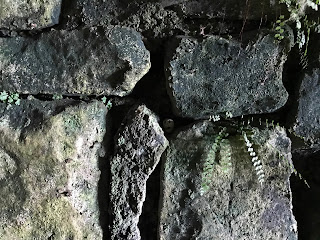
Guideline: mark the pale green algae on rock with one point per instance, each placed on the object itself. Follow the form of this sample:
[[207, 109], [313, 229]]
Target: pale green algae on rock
[[211, 190], [49, 171]]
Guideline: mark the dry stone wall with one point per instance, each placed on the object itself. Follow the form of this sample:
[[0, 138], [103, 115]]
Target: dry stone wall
[[158, 119]]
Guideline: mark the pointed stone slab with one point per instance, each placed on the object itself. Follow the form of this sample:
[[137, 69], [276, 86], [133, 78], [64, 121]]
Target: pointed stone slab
[[307, 119], [139, 145], [212, 191], [215, 75], [49, 170], [96, 61], [28, 15]]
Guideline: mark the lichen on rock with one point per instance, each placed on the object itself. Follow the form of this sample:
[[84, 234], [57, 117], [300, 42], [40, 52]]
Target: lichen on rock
[[227, 76], [49, 183], [28, 15], [234, 205]]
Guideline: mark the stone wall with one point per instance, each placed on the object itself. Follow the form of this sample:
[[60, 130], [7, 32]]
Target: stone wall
[[159, 119]]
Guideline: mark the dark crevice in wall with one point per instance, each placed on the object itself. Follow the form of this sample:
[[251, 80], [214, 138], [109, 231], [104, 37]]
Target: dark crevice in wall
[[151, 89], [291, 78], [306, 200], [103, 186], [148, 222], [70, 17], [49, 97]]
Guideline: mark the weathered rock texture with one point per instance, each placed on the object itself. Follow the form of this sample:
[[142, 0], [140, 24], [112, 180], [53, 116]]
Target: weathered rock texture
[[232, 9], [27, 15], [216, 75], [104, 12], [106, 61], [308, 114], [235, 205], [139, 145], [100, 11], [49, 170], [154, 21]]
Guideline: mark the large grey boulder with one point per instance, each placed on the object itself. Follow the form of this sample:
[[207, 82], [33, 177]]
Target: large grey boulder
[[215, 75], [139, 144], [49, 170], [210, 189], [28, 15], [307, 121], [107, 61]]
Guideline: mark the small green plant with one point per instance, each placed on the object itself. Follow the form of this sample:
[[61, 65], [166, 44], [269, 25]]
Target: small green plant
[[303, 37], [285, 160], [108, 104], [104, 99], [121, 140], [57, 97], [229, 115], [257, 164], [214, 118], [279, 28], [210, 160], [218, 155], [304, 26], [10, 98]]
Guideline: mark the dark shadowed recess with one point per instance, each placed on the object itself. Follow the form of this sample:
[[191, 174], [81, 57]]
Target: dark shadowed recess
[[104, 181], [148, 221], [306, 201]]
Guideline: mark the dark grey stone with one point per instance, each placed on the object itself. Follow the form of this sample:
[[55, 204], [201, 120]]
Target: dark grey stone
[[107, 61], [212, 191], [308, 116], [233, 9], [49, 158], [215, 75], [104, 12], [138, 148]]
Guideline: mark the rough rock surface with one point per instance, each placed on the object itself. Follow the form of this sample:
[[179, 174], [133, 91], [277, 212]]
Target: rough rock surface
[[308, 114], [154, 21], [139, 145], [232, 9], [49, 170], [235, 205], [27, 15], [104, 12], [216, 75], [107, 61], [99, 11]]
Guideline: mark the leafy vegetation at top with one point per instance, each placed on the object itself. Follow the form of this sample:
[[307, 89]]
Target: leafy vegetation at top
[[303, 25], [9, 98]]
